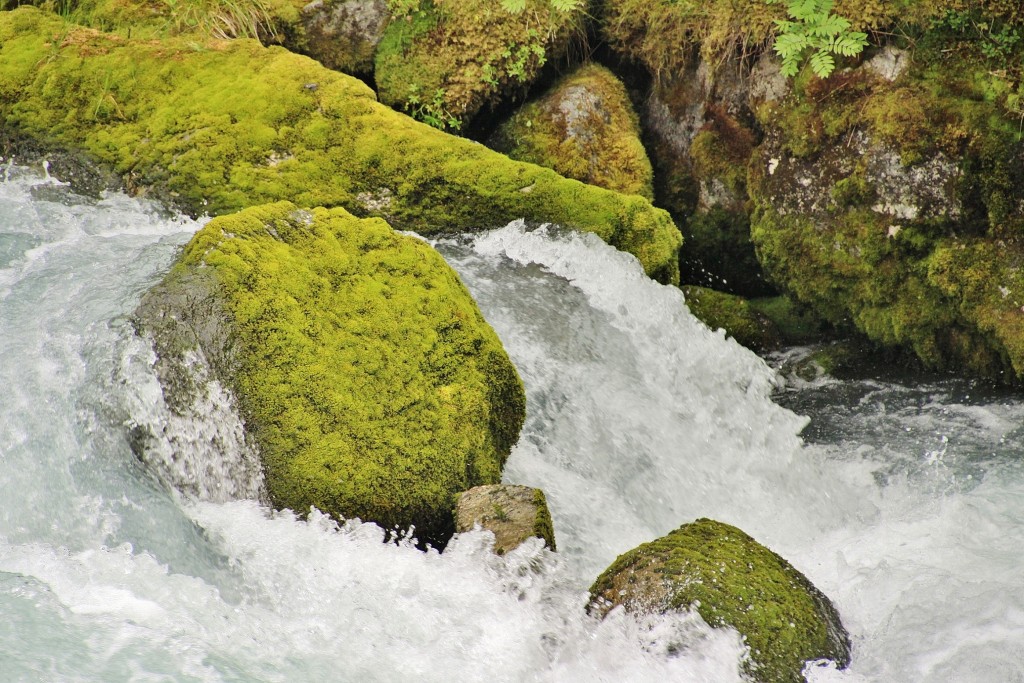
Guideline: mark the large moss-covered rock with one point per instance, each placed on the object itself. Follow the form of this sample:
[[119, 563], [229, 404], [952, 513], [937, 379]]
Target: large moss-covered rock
[[367, 378], [584, 128], [730, 580], [219, 126], [881, 191], [446, 60]]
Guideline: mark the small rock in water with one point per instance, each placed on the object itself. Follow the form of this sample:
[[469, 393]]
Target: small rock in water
[[730, 580], [512, 513]]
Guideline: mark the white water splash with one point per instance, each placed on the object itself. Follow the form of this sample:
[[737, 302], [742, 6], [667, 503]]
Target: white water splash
[[639, 420]]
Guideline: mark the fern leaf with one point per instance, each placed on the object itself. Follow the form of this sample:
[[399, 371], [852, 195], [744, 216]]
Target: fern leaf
[[791, 43], [513, 6], [822, 63], [790, 66], [830, 26]]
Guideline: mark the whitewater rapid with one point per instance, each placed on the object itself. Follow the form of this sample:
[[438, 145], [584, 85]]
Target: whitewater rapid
[[903, 508]]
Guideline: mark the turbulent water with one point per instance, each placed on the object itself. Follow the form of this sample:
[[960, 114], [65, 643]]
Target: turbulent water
[[904, 504]]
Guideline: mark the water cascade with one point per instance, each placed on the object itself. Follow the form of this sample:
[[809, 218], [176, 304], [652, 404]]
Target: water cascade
[[902, 505]]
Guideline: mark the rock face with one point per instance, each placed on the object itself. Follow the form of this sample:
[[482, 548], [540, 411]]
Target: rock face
[[731, 580], [365, 375], [877, 191], [698, 122], [449, 59], [584, 128], [512, 513], [236, 125]]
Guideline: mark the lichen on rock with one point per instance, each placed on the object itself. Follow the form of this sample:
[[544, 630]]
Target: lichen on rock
[[585, 128], [365, 375], [340, 34], [731, 581], [217, 126]]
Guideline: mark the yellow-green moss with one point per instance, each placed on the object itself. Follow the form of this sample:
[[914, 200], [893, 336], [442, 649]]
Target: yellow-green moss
[[370, 381], [585, 128], [449, 59], [731, 580], [219, 126], [733, 314]]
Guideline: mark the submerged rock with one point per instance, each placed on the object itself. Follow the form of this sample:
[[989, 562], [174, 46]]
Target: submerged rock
[[584, 128], [446, 60], [730, 580], [512, 513], [366, 377], [234, 124]]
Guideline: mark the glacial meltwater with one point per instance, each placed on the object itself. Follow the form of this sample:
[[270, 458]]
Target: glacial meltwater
[[902, 501]]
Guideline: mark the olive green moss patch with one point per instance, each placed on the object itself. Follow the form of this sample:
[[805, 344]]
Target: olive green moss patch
[[220, 125], [665, 34], [584, 128], [364, 371], [731, 580]]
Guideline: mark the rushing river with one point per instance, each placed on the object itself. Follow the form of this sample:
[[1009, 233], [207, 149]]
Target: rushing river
[[905, 505]]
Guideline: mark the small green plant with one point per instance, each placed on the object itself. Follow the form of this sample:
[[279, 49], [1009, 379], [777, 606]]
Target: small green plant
[[519, 56], [812, 28], [500, 514], [432, 111]]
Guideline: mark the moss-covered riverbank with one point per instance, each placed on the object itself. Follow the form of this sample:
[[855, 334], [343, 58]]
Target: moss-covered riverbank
[[217, 126]]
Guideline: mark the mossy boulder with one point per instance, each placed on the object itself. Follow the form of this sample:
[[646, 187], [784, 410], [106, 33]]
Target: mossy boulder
[[735, 315], [512, 513], [218, 126], [584, 128], [446, 60], [877, 191], [366, 376], [730, 580], [340, 34]]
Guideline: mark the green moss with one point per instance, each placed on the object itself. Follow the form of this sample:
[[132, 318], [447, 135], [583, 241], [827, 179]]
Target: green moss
[[585, 128], [543, 526], [731, 580], [452, 58], [733, 314], [721, 151], [219, 126], [796, 324], [369, 379], [859, 263]]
